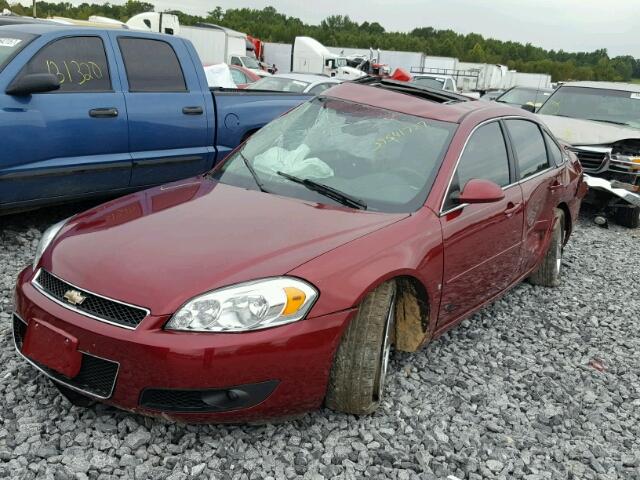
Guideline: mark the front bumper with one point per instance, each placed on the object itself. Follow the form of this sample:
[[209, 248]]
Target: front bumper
[[602, 184], [293, 361]]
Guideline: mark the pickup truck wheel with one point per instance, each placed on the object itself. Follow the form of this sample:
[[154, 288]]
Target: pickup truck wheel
[[357, 377], [628, 217], [76, 399], [548, 272]]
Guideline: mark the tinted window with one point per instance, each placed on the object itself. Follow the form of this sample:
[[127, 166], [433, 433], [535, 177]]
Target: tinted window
[[238, 76], [555, 154], [152, 66], [529, 147], [485, 157], [236, 61], [79, 63]]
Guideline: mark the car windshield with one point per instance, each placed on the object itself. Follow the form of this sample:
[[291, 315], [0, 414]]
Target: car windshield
[[279, 84], [437, 83], [609, 106], [524, 96], [385, 160], [10, 45], [252, 63]]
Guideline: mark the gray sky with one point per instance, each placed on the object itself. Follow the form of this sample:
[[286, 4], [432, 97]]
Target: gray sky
[[572, 25]]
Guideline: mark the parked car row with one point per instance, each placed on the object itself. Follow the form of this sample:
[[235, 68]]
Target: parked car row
[[378, 213]]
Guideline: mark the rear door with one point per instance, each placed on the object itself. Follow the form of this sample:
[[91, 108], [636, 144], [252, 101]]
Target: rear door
[[168, 129], [72, 141], [482, 242], [541, 180]]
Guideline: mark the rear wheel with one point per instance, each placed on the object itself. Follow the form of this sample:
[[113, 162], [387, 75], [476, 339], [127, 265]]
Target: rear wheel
[[548, 273], [628, 217], [359, 370]]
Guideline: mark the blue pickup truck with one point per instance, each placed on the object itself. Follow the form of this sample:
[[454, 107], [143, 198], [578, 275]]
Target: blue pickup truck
[[87, 112]]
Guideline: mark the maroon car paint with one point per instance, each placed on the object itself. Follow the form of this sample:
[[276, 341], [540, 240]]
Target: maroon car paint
[[161, 247]]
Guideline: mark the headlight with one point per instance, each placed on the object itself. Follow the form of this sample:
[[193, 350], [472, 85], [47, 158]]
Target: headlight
[[246, 306], [47, 237]]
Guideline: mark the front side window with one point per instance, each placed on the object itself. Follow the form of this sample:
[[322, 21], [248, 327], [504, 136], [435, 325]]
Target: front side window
[[485, 157], [151, 65], [236, 61], [250, 63], [11, 43], [79, 63], [598, 104], [436, 83], [529, 147], [385, 159]]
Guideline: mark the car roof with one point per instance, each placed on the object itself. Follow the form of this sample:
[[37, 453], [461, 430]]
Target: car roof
[[530, 89], [306, 77], [36, 28], [420, 101], [625, 87]]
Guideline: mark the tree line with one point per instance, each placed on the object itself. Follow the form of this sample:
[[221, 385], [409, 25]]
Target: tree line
[[337, 30]]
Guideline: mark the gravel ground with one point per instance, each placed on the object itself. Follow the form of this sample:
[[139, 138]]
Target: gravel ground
[[544, 384]]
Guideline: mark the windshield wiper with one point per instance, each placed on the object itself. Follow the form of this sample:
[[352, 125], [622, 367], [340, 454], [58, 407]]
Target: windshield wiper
[[253, 172], [327, 191], [608, 121]]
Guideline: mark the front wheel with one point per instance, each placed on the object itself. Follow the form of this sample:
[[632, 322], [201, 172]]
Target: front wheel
[[358, 374], [548, 272], [628, 217]]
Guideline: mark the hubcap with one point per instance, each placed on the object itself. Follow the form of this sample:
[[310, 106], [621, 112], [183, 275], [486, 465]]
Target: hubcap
[[386, 346]]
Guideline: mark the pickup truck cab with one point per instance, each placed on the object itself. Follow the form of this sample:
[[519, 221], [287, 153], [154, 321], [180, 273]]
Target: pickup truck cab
[[89, 111]]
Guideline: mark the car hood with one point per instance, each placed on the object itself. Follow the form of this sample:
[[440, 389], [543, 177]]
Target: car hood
[[576, 131], [160, 247]]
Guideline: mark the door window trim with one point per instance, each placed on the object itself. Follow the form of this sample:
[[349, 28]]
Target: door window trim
[[507, 145], [64, 37]]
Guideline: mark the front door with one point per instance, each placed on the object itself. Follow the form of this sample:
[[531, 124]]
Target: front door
[[168, 126], [482, 242], [68, 142]]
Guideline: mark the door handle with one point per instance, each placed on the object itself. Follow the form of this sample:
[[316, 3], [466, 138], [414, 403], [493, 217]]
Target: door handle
[[103, 112], [512, 209], [555, 186], [192, 110]]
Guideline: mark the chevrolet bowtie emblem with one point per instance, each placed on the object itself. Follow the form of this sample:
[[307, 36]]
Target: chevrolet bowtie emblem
[[74, 297]]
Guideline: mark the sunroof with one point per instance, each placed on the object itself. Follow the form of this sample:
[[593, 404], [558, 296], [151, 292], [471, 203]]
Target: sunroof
[[431, 94]]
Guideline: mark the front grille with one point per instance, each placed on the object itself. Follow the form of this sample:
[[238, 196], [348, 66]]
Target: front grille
[[591, 161], [98, 307], [97, 376]]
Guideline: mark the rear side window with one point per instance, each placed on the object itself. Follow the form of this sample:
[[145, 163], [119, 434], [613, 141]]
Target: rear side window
[[485, 157], [152, 65], [238, 76], [529, 146], [555, 154], [318, 89], [79, 63]]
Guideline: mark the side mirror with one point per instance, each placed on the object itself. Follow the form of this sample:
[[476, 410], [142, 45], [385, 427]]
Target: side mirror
[[529, 108], [33, 83], [481, 191]]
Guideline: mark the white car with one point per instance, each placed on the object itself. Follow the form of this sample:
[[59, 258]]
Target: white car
[[438, 82], [295, 82]]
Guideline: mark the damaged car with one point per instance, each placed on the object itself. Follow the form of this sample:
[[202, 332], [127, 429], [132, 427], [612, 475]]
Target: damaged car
[[601, 121], [372, 216]]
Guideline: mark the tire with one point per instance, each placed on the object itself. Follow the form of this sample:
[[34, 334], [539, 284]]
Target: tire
[[74, 398], [628, 217], [357, 377], [548, 272]]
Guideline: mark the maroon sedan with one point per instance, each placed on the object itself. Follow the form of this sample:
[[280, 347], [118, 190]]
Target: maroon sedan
[[243, 77], [374, 215]]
